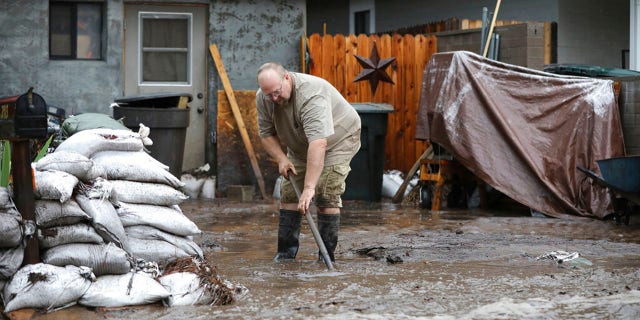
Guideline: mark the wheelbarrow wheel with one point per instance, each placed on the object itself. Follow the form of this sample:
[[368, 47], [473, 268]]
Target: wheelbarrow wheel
[[425, 197]]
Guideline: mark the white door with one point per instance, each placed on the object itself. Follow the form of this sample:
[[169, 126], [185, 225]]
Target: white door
[[166, 52]]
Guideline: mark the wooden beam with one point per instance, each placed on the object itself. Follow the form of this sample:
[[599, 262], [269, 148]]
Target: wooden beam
[[493, 23], [236, 113]]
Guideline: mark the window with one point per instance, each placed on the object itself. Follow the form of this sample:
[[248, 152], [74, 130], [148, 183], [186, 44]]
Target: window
[[165, 47], [75, 30], [361, 22]]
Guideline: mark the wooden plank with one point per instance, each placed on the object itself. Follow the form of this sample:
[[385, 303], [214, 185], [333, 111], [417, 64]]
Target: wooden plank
[[411, 87], [351, 68], [303, 47], [364, 50], [339, 62], [398, 114], [327, 58], [238, 117], [234, 167], [315, 54], [493, 23]]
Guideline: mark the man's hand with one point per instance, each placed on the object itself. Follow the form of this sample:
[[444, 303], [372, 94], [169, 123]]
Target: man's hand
[[305, 199], [285, 166]]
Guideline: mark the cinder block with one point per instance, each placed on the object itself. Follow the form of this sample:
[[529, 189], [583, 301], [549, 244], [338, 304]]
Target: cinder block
[[242, 193]]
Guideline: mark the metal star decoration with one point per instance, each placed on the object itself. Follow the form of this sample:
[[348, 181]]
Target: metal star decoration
[[373, 69]]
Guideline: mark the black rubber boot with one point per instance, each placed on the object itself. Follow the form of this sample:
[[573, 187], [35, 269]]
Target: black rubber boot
[[288, 233], [328, 227]]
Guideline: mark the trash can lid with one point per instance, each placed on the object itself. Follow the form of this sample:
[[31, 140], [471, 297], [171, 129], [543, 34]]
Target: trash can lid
[[153, 100], [371, 107], [585, 70]]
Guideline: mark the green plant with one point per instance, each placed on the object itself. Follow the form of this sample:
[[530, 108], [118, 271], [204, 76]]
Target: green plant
[[5, 166]]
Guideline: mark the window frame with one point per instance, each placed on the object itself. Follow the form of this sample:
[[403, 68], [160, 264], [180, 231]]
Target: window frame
[[73, 7], [141, 49]]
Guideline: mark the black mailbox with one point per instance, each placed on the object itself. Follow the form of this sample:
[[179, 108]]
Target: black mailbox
[[23, 117]]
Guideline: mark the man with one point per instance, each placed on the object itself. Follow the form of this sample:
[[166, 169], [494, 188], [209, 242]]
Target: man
[[322, 133]]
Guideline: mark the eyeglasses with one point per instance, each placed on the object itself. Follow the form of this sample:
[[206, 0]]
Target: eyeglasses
[[275, 94]]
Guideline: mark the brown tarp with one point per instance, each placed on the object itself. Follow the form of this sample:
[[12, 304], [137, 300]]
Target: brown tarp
[[523, 131]]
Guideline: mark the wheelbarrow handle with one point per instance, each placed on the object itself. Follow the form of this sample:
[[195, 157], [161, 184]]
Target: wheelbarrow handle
[[312, 225]]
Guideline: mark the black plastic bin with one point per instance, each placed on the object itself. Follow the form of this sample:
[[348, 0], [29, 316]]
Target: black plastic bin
[[168, 125], [364, 182]]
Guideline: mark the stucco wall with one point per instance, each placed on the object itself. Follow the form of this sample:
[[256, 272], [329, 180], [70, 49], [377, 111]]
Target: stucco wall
[[593, 32], [77, 86]]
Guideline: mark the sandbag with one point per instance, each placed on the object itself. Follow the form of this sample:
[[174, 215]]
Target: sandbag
[[87, 121], [146, 193], [75, 233], [123, 290], [70, 162], [101, 258], [10, 230], [50, 213], [186, 289], [104, 219], [158, 251], [10, 261], [5, 198], [141, 156], [88, 142], [54, 185], [45, 286], [169, 219], [134, 166], [152, 233]]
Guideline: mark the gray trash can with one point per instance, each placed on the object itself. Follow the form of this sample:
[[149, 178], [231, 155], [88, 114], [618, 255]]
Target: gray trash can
[[168, 125]]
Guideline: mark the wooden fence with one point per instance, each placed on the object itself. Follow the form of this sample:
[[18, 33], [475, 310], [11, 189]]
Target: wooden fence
[[332, 57]]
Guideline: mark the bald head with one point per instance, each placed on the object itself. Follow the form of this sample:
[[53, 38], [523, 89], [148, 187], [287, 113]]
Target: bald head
[[273, 81]]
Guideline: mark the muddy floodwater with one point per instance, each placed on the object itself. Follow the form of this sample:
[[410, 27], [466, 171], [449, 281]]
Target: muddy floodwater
[[403, 262]]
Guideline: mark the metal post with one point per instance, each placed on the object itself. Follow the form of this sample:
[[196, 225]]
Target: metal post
[[23, 193]]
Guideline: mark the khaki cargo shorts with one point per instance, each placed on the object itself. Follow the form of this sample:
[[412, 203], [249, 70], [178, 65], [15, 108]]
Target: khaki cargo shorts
[[331, 186]]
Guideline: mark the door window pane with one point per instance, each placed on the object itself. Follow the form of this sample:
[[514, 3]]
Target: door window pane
[[165, 50]]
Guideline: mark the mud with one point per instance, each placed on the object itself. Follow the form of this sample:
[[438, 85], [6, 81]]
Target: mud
[[402, 262]]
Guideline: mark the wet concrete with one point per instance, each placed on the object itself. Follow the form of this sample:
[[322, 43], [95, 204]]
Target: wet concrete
[[403, 262]]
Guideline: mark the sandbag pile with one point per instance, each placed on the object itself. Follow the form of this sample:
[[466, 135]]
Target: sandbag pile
[[11, 238], [102, 202]]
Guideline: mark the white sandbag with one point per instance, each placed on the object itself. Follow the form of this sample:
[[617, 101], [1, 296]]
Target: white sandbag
[[140, 156], [88, 142], [186, 289], [51, 213], [169, 219], [159, 251], [104, 219], [152, 233], [134, 166], [75, 233], [101, 258], [209, 188], [46, 286], [5, 198], [191, 185], [146, 193], [54, 185], [123, 290], [10, 230], [70, 162], [99, 188], [10, 261]]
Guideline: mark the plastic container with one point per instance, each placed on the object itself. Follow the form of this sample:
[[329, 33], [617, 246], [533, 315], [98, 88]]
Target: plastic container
[[364, 182], [168, 130]]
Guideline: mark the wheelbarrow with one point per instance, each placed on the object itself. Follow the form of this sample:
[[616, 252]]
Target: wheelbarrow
[[621, 176]]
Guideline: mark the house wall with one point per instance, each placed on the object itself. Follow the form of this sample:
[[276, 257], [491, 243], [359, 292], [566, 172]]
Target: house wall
[[77, 86], [593, 32], [332, 13]]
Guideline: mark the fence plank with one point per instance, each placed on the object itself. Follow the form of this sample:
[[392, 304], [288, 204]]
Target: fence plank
[[339, 62], [315, 52], [398, 116], [351, 68], [328, 72], [364, 50], [409, 116]]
